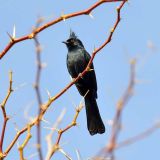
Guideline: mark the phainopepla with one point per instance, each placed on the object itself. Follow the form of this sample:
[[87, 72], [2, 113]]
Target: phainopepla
[[77, 60]]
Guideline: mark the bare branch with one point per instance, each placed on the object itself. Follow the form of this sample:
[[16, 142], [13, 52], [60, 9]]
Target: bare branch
[[21, 148], [56, 146], [139, 136], [37, 87], [49, 136], [120, 106], [108, 151], [5, 117]]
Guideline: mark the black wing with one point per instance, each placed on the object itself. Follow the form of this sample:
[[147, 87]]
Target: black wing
[[88, 81]]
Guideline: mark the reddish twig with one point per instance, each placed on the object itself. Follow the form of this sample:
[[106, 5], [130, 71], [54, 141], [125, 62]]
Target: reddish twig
[[87, 69], [6, 118], [14, 40]]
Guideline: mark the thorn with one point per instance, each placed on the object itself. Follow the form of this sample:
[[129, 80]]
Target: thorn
[[140, 81], [71, 78], [10, 37], [91, 69], [65, 154], [26, 111], [14, 32], [52, 128], [32, 155], [77, 125], [88, 68], [64, 19], [112, 30], [48, 93], [44, 120], [90, 14], [79, 157], [18, 145], [80, 74], [63, 16], [40, 20], [94, 49], [16, 127]]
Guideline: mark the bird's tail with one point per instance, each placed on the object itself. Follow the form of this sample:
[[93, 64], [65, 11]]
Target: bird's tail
[[94, 122]]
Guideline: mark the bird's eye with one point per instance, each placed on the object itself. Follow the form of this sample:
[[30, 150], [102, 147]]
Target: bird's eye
[[71, 40]]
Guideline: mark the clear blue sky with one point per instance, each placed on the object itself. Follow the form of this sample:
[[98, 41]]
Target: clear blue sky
[[138, 30]]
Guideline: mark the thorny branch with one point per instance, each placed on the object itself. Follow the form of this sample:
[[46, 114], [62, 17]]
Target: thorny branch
[[6, 118], [21, 148], [49, 136], [37, 87], [56, 146], [45, 106], [129, 141], [121, 104], [32, 35], [110, 148]]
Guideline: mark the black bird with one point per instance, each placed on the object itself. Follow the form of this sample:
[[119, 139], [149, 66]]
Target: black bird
[[77, 60]]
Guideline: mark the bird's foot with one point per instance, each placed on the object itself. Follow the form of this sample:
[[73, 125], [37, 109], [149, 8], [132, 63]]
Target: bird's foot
[[80, 75]]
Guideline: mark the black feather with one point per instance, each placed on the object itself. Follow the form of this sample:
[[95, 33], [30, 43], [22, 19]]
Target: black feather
[[77, 60], [72, 35]]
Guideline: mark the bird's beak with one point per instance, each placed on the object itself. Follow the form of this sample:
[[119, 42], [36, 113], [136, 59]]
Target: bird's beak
[[65, 42]]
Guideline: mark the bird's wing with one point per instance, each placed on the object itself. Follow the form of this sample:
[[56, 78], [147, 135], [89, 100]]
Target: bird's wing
[[92, 75], [88, 81]]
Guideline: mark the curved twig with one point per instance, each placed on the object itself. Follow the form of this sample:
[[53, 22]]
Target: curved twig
[[14, 40]]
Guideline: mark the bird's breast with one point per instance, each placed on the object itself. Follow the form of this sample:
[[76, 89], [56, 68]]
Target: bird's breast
[[75, 58], [75, 63]]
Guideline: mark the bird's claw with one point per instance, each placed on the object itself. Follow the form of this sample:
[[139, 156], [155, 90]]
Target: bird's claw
[[80, 75]]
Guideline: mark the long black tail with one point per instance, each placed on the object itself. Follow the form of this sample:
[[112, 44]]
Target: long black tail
[[94, 122]]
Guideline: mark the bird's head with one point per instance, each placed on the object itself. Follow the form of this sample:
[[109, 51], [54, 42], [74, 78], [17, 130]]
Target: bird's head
[[73, 42]]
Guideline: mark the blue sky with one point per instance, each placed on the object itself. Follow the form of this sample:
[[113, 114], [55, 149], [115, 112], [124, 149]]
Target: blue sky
[[137, 31]]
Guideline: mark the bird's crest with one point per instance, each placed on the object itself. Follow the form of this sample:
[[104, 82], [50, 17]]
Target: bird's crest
[[72, 35]]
